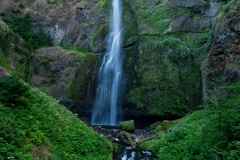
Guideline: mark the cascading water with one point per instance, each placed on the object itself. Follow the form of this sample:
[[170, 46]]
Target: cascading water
[[110, 74]]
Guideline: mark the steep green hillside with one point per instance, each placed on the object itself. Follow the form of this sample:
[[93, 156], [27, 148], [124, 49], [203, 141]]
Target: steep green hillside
[[34, 126], [211, 133]]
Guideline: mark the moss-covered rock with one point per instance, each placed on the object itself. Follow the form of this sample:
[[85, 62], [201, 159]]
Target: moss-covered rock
[[173, 42], [205, 134], [64, 73], [127, 126], [6, 46], [222, 64]]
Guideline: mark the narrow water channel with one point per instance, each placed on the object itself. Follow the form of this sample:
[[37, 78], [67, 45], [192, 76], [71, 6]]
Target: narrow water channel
[[125, 152]]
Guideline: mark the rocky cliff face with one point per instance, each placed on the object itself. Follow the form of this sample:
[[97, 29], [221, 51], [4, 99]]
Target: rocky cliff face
[[174, 39], [64, 74], [223, 63], [78, 23], [174, 50]]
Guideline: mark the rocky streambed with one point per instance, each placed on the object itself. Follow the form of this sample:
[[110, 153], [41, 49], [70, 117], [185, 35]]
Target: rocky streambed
[[126, 144]]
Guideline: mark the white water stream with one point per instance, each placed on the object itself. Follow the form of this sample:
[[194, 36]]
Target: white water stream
[[110, 74]]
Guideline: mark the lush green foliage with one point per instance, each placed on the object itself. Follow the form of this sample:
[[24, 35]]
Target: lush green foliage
[[20, 27], [227, 6], [40, 127], [33, 40], [169, 75], [77, 49], [211, 133], [11, 90], [6, 38]]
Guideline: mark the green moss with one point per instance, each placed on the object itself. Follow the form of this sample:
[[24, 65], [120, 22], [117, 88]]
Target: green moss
[[234, 64], [100, 33], [169, 77], [69, 87], [81, 81], [130, 30], [103, 4], [5, 62], [131, 40], [54, 2], [77, 49], [168, 72], [6, 38], [227, 6], [127, 126], [47, 65]]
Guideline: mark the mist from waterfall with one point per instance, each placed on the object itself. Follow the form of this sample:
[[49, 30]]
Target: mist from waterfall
[[110, 73]]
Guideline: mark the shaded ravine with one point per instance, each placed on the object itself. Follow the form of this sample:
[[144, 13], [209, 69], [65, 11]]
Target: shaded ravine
[[110, 74]]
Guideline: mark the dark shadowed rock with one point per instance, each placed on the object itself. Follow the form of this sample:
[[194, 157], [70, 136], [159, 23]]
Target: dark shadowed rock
[[223, 62], [182, 24]]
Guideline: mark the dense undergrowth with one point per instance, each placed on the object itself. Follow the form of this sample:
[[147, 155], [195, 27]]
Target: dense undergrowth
[[210, 133], [22, 27], [16, 36], [34, 126]]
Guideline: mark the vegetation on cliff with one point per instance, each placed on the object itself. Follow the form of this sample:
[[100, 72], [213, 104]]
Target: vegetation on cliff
[[173, 43], [211, 133], [34, 126], [169, 76], [18, 37]]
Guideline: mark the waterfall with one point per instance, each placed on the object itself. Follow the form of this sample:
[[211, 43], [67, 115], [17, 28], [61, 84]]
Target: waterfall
[[110, 73]]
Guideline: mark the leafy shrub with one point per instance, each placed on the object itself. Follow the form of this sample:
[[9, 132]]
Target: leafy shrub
[[33, 40], [11, 90], [211, 133], [16, 10], [21, 5], [6, 38], [45, 125], [11, 139], [2, 14]]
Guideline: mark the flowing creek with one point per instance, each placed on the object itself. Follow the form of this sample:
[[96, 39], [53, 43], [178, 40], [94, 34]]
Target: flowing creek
[[122, 149], [127, 153]]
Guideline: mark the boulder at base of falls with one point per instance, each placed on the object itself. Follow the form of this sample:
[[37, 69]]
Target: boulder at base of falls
[[127, 126]]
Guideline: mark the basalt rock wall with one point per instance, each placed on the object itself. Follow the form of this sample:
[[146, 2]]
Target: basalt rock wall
[[175, 50], [222, 66], [68, 22]]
